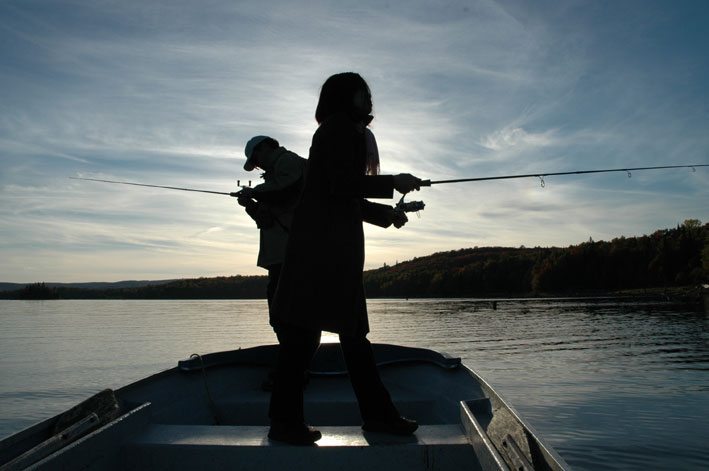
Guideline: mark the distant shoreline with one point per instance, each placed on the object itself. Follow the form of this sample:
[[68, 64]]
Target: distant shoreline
[[669, 263], [8, 286], [679, 294]]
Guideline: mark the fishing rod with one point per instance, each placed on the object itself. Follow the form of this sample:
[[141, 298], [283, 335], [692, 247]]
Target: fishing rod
[[235, 194], [542, 175], [402, 206]]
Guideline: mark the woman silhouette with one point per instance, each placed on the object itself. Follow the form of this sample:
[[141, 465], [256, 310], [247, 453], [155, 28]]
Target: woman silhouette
[[321, 285]]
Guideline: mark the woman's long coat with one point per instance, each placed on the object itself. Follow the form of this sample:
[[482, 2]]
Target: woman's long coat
[[321, 283]]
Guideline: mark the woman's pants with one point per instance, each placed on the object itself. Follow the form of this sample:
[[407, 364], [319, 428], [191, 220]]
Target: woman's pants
[[297, 348]]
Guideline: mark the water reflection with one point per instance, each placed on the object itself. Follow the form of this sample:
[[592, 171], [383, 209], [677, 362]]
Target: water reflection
[[599, 379]]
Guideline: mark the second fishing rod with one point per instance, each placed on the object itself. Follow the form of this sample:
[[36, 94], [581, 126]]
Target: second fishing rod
[[419, 205], [541, 176]]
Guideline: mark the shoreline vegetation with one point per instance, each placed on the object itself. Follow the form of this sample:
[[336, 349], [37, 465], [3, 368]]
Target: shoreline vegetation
[[669, 264]]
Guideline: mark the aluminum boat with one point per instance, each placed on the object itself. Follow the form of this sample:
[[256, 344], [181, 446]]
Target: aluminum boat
[[210, 412]]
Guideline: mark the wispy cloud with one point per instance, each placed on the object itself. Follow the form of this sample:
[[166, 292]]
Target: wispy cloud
[[517, 137]]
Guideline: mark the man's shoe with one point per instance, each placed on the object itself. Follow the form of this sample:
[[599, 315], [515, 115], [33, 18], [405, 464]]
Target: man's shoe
[[395, 426], [268, 383], [295, 434]]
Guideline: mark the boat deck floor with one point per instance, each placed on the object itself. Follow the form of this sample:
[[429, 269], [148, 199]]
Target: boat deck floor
[[328, 400], [342, 447]]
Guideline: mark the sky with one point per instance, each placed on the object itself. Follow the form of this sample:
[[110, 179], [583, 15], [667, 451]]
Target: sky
[[168, 92]]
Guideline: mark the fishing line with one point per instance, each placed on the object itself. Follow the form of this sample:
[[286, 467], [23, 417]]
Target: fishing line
[[235, 193]]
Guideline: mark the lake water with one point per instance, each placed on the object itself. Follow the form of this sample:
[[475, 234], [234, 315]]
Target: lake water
[[609, 384]]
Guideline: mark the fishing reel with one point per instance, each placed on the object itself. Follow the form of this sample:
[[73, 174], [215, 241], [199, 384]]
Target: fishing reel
[[240, 192], [409, 206]]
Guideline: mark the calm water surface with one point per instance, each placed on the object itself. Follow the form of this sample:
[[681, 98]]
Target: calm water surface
[[609, 384]]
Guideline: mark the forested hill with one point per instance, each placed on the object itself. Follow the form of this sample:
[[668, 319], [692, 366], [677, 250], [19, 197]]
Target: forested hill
[[677, 257], [668, 258]]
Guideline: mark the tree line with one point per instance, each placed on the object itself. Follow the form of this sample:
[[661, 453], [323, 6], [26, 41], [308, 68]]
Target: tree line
[[222, 287], [677, 257], [667, 258]]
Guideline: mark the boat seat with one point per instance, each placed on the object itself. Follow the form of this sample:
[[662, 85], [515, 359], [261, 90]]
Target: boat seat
[[168, 447], [330, 411]]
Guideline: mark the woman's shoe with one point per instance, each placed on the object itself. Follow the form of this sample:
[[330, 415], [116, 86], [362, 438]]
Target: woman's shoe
[[294, 433], [395, 426]]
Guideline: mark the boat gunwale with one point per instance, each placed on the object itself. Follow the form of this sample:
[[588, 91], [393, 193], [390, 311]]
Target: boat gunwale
[[491, 393]]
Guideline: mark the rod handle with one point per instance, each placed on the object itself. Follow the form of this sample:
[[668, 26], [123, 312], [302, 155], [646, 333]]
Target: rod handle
[[425, 183]]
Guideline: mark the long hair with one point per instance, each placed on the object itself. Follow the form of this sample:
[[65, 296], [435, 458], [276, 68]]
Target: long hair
[[337, 96], [372, 159]]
